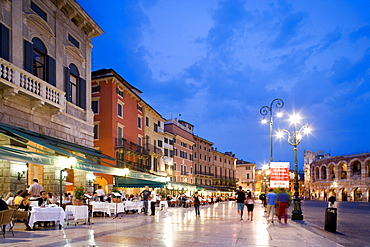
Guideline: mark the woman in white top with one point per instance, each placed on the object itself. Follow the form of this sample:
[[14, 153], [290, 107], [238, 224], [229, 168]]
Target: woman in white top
[[153, 201], [9, 199], [250, 205]]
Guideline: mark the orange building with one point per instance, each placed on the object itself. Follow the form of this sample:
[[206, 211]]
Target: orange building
[[118, 121]]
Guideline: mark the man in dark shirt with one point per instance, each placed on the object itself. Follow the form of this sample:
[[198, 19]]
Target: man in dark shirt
[[145, 195], [283, 199], [3, 205], [240, 198], [43, 199]]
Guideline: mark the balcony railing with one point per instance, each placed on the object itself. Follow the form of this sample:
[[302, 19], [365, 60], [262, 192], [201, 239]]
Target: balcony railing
[[133, 165], [204, 173], [123, 143], [151, 149], [184, 173], [18, 80]]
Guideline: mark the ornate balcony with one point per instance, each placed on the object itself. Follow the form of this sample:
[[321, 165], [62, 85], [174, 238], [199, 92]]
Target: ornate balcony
[[15, 80]]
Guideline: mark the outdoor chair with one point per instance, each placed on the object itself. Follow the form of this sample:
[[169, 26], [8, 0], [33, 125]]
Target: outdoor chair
[[6, 217]]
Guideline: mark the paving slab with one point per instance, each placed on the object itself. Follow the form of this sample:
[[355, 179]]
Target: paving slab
[[218, 225]]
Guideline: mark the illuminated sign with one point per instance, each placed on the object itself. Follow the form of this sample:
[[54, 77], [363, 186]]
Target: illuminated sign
[[279, 174]]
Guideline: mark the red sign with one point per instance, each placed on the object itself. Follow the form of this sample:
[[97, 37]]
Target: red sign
[[279, 174]]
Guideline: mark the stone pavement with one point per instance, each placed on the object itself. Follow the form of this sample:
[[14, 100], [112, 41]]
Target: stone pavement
[[218, 225]]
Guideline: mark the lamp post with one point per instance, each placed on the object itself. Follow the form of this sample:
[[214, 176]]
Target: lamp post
[[278, 103], [63, 174], [64, 164], [295, 139]]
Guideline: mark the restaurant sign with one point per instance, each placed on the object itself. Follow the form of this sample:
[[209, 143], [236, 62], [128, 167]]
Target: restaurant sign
[[279, 174]]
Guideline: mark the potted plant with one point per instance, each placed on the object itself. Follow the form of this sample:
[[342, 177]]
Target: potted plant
[[78, 195], [116, 199]]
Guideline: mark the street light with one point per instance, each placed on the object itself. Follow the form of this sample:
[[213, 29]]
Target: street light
[[295, 139], [64, 164], [278, 103]]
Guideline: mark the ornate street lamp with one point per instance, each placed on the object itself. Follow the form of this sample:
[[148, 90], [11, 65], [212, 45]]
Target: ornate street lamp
[[294, 139], [278, 103]]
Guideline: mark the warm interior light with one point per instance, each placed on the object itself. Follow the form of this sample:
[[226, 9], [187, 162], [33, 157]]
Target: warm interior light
[[125, 171], [90, 177], [264, 120], [295, 119]]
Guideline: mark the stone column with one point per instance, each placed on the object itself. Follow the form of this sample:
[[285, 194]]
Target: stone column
[[80, 178], [51, 179], [4, 177], [363, 171]]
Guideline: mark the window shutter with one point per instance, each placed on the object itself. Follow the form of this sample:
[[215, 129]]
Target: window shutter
[[4, 39], [28, 60], [50, 70], [67, 86], [82, 93]]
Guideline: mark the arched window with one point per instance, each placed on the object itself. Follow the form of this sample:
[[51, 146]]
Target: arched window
[[75, 86], [343, 171], [39, 58], [356, 168], [323, 172], [37, 61], [317, 174], [331, 172]]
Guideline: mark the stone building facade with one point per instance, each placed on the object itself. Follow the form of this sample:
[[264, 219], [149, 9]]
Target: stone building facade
[[347, 177], [45, 67], [203, 165], [246, 175]]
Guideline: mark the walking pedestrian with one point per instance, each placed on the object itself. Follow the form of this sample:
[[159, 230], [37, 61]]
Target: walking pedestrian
[[240, 198], [145, 195], [250, 205], [196, 204], [153, 201], [283, 199], [263, 200], [271, 199]]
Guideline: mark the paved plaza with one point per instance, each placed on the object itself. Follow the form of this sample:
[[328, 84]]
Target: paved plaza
[[219, 225]]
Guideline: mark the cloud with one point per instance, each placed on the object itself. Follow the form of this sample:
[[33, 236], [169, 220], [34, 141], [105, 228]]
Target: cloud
[[288, 29], [362, 32]]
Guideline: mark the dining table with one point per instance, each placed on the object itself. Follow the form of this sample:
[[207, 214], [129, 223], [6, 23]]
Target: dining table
[[40, 214], [78, 213], [134, 205]]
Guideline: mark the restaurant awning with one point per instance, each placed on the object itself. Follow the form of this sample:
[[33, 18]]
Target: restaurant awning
[[126, 182]]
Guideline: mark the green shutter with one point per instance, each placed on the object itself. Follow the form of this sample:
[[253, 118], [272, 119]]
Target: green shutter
[[4, 39], [82, 93], [50, 70], [28, 60], [67, 86]]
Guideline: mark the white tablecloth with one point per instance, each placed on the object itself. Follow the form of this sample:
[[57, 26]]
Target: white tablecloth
[[134, 205], [46, 214], [78, 212], [100, 207], [163, 204], [116, 208]]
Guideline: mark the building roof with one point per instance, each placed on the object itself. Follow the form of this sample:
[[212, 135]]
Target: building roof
[[107, 73]]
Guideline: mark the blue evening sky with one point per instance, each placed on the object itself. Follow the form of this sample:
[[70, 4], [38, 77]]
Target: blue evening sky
[[218, 62]]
